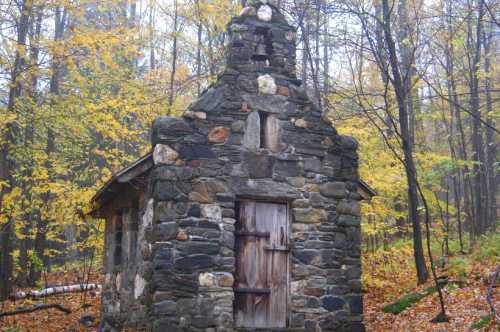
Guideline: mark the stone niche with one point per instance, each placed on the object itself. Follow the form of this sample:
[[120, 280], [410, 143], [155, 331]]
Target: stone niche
[[245, 215]]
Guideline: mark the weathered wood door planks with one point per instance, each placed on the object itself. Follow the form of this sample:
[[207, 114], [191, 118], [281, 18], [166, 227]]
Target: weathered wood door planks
[[261, 288]]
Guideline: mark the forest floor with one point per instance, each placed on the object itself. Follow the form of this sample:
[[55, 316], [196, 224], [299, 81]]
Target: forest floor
[[53, 320], [464, 306], [387, 275]]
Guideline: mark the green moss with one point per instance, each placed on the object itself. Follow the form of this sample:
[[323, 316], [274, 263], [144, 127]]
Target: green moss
[[12, 329], [407, 300], [481, 323]]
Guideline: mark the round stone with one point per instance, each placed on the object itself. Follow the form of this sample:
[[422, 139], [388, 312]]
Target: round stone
[[182, 236], [266, 84], [206, 279], [301, 123], [218, 135], [265, 13], [225, 279]]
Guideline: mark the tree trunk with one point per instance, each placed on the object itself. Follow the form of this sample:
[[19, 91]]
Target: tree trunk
[[407, 68], [317, 91], [326, 58], [60, 20], [491, 143], [479, 183], [382, 61], [7, 161], [411, 173], [458, 176], [32, 213], [198, 49], [174, 60], [151, 37]]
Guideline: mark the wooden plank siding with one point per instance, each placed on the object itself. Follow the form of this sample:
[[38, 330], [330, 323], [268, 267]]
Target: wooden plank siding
[[261, 286]]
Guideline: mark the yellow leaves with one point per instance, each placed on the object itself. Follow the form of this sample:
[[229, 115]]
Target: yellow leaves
[[106, 125], [217, 13], [382, 171], [108, 60], [5, 119], [10, 199]]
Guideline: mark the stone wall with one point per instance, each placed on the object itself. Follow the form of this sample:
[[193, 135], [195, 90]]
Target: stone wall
[[194, 230], [125, 295]]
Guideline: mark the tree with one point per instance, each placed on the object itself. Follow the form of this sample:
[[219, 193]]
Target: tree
[[9, 143], [402, 93]]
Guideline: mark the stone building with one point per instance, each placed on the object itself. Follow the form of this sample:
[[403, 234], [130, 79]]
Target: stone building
[[245, 215]]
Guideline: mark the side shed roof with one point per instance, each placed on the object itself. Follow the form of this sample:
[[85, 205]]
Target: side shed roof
[[118, 181], [365, 190]]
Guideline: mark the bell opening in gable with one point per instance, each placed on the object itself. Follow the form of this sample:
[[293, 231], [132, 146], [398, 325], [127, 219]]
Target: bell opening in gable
[[264, 47]]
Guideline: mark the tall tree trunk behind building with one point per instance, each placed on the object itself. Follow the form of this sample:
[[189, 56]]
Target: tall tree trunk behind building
[[407, 60], [491, 142], [326, 57], [60, 21], [409, 163], [174, 60], [199, 45], [10, 140], [27, 275], [479, 177], [457, 149]]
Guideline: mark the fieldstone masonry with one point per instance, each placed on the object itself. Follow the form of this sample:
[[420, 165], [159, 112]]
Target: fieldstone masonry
[[252, 134]]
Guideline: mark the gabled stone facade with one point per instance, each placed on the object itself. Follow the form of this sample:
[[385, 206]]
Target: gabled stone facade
[[253, 135]]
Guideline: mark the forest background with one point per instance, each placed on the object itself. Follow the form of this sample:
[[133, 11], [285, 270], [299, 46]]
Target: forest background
[[415, 81]]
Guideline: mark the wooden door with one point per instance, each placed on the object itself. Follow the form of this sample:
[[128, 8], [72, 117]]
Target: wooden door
[[261, 286]]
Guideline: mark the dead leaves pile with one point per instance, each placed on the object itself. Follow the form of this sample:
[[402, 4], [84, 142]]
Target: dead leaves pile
[[464, 306]]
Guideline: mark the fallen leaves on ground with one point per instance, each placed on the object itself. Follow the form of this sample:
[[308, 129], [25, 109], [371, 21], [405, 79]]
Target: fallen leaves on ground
[[51, 320], [464, 307]]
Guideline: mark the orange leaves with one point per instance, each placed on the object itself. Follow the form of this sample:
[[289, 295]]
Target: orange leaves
[[389, 274], [53, 320]]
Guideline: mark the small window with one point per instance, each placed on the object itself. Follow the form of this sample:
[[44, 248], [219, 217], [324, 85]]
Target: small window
[[269, 132], [263, 117], [118, 239]]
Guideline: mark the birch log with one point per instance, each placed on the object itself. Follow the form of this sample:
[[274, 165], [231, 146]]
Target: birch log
[[34, 294]]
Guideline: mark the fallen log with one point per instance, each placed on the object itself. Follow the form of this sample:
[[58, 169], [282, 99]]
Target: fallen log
[[34, 308], [35, 294]]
